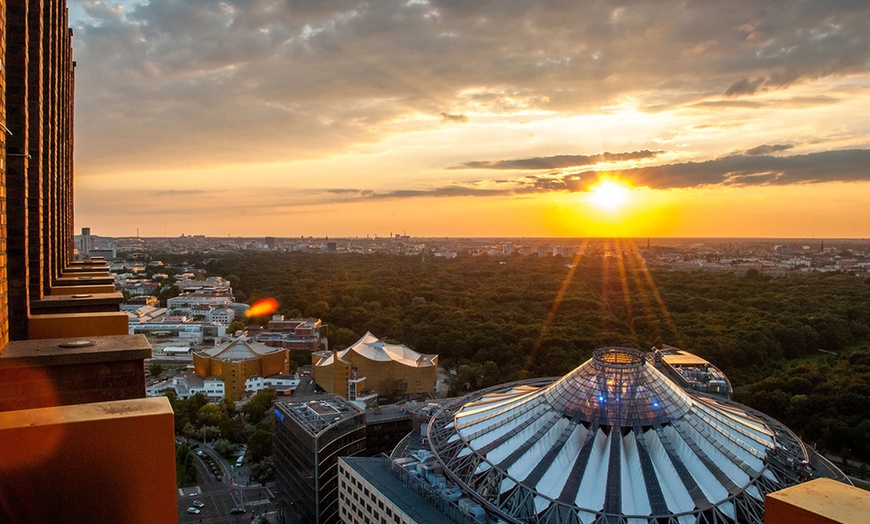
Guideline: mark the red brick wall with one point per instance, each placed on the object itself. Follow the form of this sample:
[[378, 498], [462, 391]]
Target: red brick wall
[[4, 310]]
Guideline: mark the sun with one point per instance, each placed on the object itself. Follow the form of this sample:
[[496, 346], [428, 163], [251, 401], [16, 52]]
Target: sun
[[608, 194]]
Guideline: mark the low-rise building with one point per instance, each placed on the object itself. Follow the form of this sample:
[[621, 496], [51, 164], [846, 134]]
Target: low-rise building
[[372, 366], [239, 360]]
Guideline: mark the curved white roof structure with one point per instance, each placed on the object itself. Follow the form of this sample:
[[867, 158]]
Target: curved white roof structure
[[374, 348], [615, 440]]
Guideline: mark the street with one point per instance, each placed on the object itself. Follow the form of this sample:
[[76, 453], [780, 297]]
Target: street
[[219, 497]]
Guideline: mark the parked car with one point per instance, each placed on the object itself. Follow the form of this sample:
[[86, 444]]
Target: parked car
[[198, 504], [237, 511], [193, 511]]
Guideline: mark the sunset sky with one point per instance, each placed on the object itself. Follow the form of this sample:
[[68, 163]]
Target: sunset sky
[[472, 118]]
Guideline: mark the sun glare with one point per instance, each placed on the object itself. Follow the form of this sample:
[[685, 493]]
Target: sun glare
[[608, 194]]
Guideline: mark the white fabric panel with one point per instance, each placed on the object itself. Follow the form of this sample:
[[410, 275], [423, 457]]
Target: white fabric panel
[[506, 485], [496, 431], [753, 491], [500, 453], [635, 500], [711, 487], [540, 504], [553, 481], [522, 467], [737, 475], [482, 467], [675, 493], [590, 495], [686, 519], [727, 508]]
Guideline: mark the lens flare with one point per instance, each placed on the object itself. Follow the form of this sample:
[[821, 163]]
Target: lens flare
[[262, 307]]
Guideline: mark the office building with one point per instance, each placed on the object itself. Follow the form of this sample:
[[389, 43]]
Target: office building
[[310, 435]]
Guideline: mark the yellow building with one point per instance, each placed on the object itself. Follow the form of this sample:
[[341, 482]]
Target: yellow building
[[373, 367], [238, 361]]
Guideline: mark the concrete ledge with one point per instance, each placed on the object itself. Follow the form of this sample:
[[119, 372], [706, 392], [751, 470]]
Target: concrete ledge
[[82, 281], [102, 462], [84, 274], [820, 501], [85, 269], [88, 264], [41, 373], [81, 290], [81, 303], [77, 325]]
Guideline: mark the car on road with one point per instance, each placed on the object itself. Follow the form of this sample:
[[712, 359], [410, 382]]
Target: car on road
[[193, 511], [197, 503], [200, 453]]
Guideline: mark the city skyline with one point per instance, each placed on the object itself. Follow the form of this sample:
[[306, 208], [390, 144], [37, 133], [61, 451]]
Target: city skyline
[[477, 119]]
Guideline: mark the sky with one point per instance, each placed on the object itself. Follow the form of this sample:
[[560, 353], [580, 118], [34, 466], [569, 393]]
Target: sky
[[468, 118]]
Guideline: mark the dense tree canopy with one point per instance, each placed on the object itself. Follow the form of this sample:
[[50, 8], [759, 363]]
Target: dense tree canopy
[[505, 318]]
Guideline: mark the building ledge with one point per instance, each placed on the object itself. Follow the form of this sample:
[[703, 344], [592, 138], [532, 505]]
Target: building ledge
[[80, 303], [96, 263], [81, 289], [82, 281], [84, 274], [66, 351], [65, 325], [820, 501], [86, 269], [52, 372], [100, 462]]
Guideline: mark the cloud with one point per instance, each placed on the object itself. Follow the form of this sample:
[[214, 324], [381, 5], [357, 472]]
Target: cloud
[[732, 170], [454, 119], [766, 149], [238, 81], [558, 161], [743, 87], [181, 192], [850, 165]]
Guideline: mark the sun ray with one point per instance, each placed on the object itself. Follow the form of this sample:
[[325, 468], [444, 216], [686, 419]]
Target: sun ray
[[651, 285], [626, 294], [554, 308]]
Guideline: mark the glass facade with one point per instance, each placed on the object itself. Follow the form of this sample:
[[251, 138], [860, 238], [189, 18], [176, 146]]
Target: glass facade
[[309, 437]]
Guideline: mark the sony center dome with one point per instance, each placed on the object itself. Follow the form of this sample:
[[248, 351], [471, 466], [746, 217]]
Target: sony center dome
[[614, 441]]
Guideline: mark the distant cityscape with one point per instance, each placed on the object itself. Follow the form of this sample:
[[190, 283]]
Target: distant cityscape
[[774, 257]]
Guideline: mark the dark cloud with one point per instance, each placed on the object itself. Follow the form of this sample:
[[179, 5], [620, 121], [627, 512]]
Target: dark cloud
[[743, 87], [734, 170], [558, 161], [447, 191], [454, 119], [850, 165], [767, 149]]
